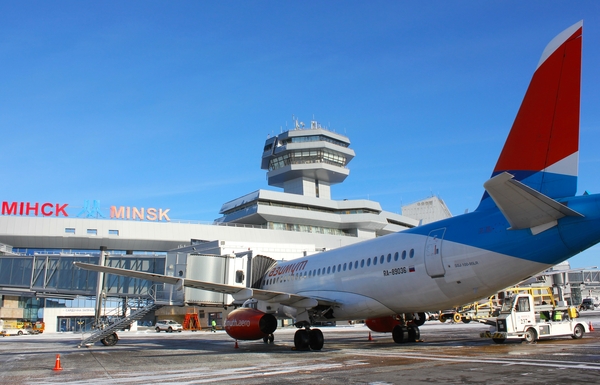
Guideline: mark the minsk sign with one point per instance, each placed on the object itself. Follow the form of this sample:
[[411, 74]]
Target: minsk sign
[[89, 210]]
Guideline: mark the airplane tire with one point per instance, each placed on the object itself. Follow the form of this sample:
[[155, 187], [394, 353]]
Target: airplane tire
[[499, 340], [443, 318], [316, 340], [456, 317], [301, 339], [414, 334], [400, 334], [110, 340]]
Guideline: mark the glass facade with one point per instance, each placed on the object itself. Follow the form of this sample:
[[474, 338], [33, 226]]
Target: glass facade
[[56, 274]]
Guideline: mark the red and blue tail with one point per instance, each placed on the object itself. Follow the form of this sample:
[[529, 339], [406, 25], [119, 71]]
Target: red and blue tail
[[542, 148]]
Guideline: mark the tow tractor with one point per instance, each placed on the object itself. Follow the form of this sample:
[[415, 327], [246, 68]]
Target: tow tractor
[[521, 318]]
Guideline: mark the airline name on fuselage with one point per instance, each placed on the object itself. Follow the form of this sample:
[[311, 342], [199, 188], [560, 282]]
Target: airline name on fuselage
[[291, 269]]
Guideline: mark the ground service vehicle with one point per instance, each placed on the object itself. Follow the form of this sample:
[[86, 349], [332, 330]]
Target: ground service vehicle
[[12, 328], [168, 326], [587, 304], [520, 318], [529, 218]]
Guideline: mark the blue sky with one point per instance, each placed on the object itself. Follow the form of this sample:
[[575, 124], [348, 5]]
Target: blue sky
[[168, 104]]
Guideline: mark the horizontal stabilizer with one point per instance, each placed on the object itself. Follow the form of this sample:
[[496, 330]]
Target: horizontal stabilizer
[[238, 292], [524, 207]]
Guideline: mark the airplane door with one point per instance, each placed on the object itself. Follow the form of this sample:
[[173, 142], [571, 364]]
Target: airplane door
[[433, 253]]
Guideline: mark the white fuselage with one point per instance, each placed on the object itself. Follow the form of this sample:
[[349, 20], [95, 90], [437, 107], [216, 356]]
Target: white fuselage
[[391, 275]]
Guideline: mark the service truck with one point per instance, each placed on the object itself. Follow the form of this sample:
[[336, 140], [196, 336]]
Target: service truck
[[11, 328], [521, 318]]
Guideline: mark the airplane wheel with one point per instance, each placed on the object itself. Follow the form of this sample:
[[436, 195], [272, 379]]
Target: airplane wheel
[[414, 334], [316, 339], [271, 338], [110, 340], [443, 318], [301, 339], [400, 334], [456, 317]]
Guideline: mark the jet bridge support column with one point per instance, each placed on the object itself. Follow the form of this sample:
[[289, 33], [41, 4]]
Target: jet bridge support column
[[100, 285]]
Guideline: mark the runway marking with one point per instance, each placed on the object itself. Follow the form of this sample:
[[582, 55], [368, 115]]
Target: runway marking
[[500, 361]]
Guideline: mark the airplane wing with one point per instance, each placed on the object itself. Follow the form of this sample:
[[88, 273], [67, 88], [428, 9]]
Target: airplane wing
[[524, 207], [238, 292]]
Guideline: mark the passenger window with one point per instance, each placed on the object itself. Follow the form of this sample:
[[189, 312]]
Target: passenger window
[[374, 261], [350, 266], [382, 259], [329, 270], [368, 261], [412, 253], [356, 264], [319, 271], [339, 267], [344, 267], [310, 274], [396, 256], [404, 254], [389, 259], [362, 263]]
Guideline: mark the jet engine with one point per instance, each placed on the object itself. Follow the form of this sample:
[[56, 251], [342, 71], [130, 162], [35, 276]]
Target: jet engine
[[249, 324], [383, 324]]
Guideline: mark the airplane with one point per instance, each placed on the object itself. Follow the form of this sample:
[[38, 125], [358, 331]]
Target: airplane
[[528, 220]]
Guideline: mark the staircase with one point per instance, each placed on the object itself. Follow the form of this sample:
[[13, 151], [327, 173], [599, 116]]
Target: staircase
[[106, 333]]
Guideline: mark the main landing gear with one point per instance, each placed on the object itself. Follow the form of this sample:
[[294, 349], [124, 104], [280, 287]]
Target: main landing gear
[[402, 334], [308, 339]]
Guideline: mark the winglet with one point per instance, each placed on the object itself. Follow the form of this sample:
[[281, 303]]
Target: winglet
[[542, 148]]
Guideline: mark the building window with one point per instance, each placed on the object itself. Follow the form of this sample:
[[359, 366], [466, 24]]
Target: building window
[[70, 230], [92, 231], [113, 232]]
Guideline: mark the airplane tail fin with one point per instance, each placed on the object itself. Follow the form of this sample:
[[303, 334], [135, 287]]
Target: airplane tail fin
[[542, 148]]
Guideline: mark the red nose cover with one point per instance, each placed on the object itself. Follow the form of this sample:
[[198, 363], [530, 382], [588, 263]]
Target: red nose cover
[[249, 324]]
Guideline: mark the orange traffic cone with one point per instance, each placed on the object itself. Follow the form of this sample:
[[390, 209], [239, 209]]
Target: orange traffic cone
[[591, 327], [370, 338], [236, 345], [57, 364]]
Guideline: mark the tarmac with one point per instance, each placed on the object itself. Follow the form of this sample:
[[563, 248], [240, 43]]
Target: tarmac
[[448, 354]]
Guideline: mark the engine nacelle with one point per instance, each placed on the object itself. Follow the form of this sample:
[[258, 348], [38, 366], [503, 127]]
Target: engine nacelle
[[382, 324], [249, 324]]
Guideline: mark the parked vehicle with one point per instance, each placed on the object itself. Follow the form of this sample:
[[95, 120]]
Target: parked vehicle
[[168, 326], [521, 318], [587, 304]]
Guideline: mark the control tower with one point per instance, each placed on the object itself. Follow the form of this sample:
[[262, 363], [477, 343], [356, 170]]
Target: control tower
[[307, 161]]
